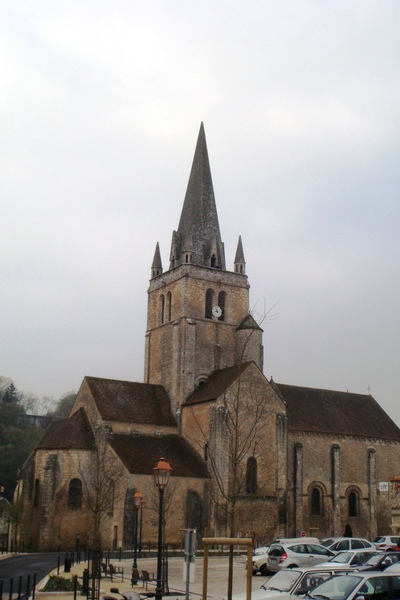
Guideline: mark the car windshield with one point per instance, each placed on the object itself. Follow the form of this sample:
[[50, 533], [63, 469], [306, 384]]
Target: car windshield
[[326, 542], [379, 540], [342, 557], [374, 559], [282, 581], [338, 587]]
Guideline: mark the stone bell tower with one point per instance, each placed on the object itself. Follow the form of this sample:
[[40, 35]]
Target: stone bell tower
[[197, 310]]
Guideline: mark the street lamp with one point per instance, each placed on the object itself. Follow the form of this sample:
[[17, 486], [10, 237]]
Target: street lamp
[[137, 501], [162, 472], [142, 503]]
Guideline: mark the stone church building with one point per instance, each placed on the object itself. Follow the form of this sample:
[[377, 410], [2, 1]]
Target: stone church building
[[248, 455]]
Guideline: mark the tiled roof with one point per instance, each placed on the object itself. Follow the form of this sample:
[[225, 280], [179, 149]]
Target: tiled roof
[[65, 434], [342, 413], [217, 384], [141, 453], [131, 402]]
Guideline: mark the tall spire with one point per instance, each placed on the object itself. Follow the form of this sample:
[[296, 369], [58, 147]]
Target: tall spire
[[156, 267], [240, 263], [198, 239]]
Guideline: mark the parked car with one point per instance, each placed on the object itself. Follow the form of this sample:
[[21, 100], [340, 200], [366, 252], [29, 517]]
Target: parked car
[[260, 561], [368, 586], [380, 561], [288, 583], [386, 543], [352, 558], [337, 544], [298, 554], [261, 550]]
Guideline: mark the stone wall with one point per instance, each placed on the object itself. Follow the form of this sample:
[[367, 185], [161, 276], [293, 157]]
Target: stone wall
[[339, 467]]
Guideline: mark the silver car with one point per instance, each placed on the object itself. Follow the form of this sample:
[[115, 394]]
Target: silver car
[[298, 554], [291, 582], [372, 586]]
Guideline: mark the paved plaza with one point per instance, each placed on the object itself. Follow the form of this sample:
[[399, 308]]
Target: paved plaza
[[217, 578]]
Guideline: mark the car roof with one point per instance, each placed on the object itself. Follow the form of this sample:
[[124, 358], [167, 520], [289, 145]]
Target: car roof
[[312, 568], [338, 539], [359, 550]]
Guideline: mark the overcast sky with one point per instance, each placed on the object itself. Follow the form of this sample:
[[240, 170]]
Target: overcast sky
[[101, 103]]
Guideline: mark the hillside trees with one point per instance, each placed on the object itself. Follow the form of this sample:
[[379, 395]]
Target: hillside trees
[[17, 439], [18, 432]]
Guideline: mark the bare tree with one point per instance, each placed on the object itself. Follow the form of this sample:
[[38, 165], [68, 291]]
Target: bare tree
[[239, 421], [103, 484]]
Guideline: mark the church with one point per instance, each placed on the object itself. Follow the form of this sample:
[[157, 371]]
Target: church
[[249, 456]]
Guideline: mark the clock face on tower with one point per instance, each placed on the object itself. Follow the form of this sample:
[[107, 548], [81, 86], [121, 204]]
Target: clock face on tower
[[216, 311]]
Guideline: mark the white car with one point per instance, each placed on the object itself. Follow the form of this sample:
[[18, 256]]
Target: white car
[[298, 554], [337, 544], [260, 561], [386, 543], [261, 550], [289, 583], [352, 558]]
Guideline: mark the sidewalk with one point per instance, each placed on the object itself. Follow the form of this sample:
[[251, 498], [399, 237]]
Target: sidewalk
[[217, 578]]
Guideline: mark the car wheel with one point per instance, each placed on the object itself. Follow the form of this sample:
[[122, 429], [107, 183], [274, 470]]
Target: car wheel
[[292, 567], [264, 570]]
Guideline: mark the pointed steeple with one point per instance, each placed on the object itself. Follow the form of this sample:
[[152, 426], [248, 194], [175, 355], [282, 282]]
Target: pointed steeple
[[198, 239], [156, 267], [240, 263]]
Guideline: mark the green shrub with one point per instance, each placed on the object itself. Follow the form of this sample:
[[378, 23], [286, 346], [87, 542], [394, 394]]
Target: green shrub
[[60, 584]]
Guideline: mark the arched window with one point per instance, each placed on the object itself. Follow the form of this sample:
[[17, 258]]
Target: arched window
[[222, 305], [352, 500], [162, 308], [213, 261], [316, 502], [251, 475], [209, 304], [75, 494], [169, 302], [36, 493]]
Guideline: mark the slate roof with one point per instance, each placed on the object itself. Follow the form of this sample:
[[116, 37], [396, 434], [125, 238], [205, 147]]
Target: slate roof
[[141, 453], [217, 384], [198, 229], [248, 322], [239, 256], [66, 434], [338, 413], [131, 402]]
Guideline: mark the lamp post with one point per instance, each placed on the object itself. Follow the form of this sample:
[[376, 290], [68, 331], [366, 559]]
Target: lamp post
[[142, 503], [137, 501], [162, 472]]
